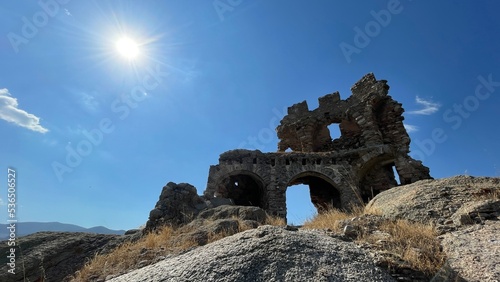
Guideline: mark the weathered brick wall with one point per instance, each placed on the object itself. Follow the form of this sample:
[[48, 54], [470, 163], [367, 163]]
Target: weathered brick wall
[[340, 172]]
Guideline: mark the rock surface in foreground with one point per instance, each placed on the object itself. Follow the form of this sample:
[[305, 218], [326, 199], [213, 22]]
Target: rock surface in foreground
[[267, 253], [53, 256], [473, 254], [465, 209]]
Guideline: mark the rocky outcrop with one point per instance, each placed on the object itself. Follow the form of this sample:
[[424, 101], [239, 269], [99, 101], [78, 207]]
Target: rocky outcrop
[[227, 220], [179, 204], [266, 254], [443, 202], [473, 254], [53, 256], [466, 211]]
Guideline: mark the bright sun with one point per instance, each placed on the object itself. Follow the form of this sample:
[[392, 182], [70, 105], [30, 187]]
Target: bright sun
[[127, 48]]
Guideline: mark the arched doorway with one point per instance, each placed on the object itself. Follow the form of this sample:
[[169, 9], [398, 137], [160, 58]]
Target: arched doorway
[[244, 188], [377, 175], [298, 206], [322, 192]]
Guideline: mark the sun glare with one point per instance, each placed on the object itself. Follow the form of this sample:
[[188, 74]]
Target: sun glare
[[127, 48]]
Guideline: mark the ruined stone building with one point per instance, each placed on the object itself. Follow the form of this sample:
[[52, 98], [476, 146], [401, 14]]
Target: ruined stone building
[[340, 172]]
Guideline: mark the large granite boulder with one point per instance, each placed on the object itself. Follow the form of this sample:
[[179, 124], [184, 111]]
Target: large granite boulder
[[473, 254], [436, 201], [465, 210], [267, 253]]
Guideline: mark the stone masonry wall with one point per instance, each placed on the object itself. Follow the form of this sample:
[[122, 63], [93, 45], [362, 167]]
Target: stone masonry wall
[[341, 172]]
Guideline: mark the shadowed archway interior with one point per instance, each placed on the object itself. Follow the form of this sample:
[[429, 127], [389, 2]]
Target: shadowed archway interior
[[324, 195], [245, 190]]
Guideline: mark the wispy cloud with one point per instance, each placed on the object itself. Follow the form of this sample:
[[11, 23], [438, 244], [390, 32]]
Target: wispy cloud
[[429, 107], [411, 128], [10, 112]]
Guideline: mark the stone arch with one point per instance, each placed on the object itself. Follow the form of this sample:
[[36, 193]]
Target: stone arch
[[323, 191], [243, 187], [376, 175]]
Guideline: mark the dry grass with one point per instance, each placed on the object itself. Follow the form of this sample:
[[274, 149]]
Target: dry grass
[[487, 194], [275, 220], [414, 243], [167, 240], [330, 219]]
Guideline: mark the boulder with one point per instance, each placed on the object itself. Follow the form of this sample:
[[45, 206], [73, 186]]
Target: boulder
[[465, 210], [53, 256], [177, 205], [476, 212], [227, 220], [267, 253], [473, 254], [241, 212], [433, 201]]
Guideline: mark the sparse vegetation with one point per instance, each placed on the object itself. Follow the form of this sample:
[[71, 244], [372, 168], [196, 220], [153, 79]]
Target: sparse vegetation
[[275, 220], [414, 243], [488, 193], [165, 241]]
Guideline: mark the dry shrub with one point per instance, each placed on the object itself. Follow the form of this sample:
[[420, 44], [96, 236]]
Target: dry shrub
[[275, 220], [327, 220], [102, 265], [167, 240], [415, 243], [487, 194]]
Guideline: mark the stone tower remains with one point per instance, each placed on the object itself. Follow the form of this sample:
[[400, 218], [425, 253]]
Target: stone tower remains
[[341, 172]]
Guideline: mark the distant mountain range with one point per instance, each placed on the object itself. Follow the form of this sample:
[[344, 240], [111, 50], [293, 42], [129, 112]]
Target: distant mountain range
[[26, 228]]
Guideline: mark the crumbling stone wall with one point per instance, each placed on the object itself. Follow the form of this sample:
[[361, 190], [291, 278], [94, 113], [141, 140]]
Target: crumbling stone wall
[[340, 172]]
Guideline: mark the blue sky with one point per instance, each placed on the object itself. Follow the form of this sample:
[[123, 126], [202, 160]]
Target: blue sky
[[217, 75]]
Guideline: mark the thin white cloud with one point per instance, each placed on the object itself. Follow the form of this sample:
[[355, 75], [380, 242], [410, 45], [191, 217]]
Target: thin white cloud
[[410, 128], [429, 107], [10, 112]]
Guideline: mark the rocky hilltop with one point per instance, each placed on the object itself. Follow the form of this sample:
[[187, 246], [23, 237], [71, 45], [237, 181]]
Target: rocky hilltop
[[369, 227], [464, 209]]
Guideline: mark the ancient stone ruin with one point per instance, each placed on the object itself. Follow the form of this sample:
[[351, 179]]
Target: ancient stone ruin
[[341, 172]]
